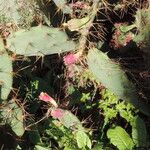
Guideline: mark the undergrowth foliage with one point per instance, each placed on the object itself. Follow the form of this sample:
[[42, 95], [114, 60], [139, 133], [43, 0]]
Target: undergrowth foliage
[[68, 78]]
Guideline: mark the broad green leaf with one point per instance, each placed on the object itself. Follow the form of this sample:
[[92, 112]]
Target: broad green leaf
[[98, 146], [38, 147], [68, 148], [9, 9], [81, 138], [34, 136], [120, 138], [139, 133], [88, 142], [77, 24]]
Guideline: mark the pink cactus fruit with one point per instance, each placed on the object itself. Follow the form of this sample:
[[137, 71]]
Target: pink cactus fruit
[[70, 59], [57, 113], [46, 98]]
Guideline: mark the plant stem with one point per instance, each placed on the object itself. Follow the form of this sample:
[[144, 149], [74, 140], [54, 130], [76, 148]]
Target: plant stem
[[85, 31]]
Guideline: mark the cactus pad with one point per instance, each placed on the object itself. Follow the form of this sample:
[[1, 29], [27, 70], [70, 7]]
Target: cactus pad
[[5, 73], [12, 114], [114, 78], [40, 40]]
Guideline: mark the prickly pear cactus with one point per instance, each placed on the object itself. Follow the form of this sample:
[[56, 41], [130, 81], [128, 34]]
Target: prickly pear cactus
[[14, 11], [12, 115], [142, 18], [6, 77], [40, 40], [142, 22], [9, 9], [111, 75]]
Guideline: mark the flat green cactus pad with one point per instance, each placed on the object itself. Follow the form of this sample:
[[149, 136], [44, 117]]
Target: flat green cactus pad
[[12, 114], [9, 9], [111, 75], [6, 77], [40, 40]]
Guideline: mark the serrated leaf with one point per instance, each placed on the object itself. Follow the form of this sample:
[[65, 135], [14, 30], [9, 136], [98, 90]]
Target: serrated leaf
[[120, 138], [139, 133]]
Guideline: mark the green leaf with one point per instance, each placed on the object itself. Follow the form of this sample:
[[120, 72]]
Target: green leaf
[[77, 24], [68, 148], [82, 139], [120, 138], [139, 133], [38, 147], [88, 142], [98, 146], [34, 136], [125, 28]]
